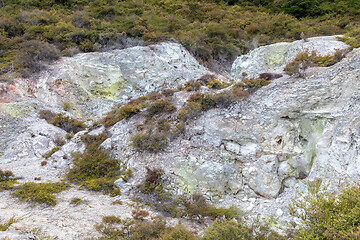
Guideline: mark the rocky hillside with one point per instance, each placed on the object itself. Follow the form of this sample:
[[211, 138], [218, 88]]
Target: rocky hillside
[[255, 152]]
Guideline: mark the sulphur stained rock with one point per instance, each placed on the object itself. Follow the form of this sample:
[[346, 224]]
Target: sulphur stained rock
[[273, 58], [92, 81], [212, 178]]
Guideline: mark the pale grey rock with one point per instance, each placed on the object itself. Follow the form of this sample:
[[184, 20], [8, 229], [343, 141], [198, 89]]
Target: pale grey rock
[[233, 147], [214, 179], [279, 212], [18, 235], [273, 58], [255, 154], [37, 140], [93, 82], [262, 176]]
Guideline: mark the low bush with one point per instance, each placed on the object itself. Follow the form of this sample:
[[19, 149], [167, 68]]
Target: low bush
[[153, 96], [160, 106], [117, 202], [304, 60], [197, 208], [269, 76], [39, 192], [226, 98], [113, 227], [149, 141], [352, 38], [125, 112], [95, 168], [168, 92], [76, 201], [4, 225], [200, 102], [327, 215], [111, 219], [228, 229], [211, 82], [66, 106], [68, 124], [147, 230], [51, 152], [7, 180], [193, 85], [6, 176], [62, 121], [254, 84], [32, 54], [139, 214], [177, 233]]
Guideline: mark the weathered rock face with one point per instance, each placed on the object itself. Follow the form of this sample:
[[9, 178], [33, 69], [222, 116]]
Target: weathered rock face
[[92, 81], [259, 152], [273, 58], [255, 154]]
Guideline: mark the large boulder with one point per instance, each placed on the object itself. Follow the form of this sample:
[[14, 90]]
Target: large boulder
[[91, 82], [273, 58]]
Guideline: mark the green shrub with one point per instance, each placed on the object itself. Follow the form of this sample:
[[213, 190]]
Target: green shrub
[[95, 168], [211, 82], [39, 192], [228, 229], [7, 180], [197, 207], [51, 152], [153, 96], [113, 227], [125, 112], [253, 84], [47, 115], [226, 98], [160, 106], [6, 176], [68, 124], [215, 32], [168, 92], [117, 202], [149, 141], [139, 214], [62, 121], [76, 201], [304, 60], [177, 233], [204, 100], [32, 53], [352, 37], [147, 230], [327, 215], [111, 220], [66, 106], [4, 225]]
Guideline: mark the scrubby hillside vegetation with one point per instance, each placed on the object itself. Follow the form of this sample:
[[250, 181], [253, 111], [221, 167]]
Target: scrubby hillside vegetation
[[214, 31]]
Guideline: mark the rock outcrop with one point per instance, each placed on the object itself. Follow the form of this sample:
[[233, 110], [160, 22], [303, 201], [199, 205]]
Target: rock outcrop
[[255, 154], [273, 58]]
